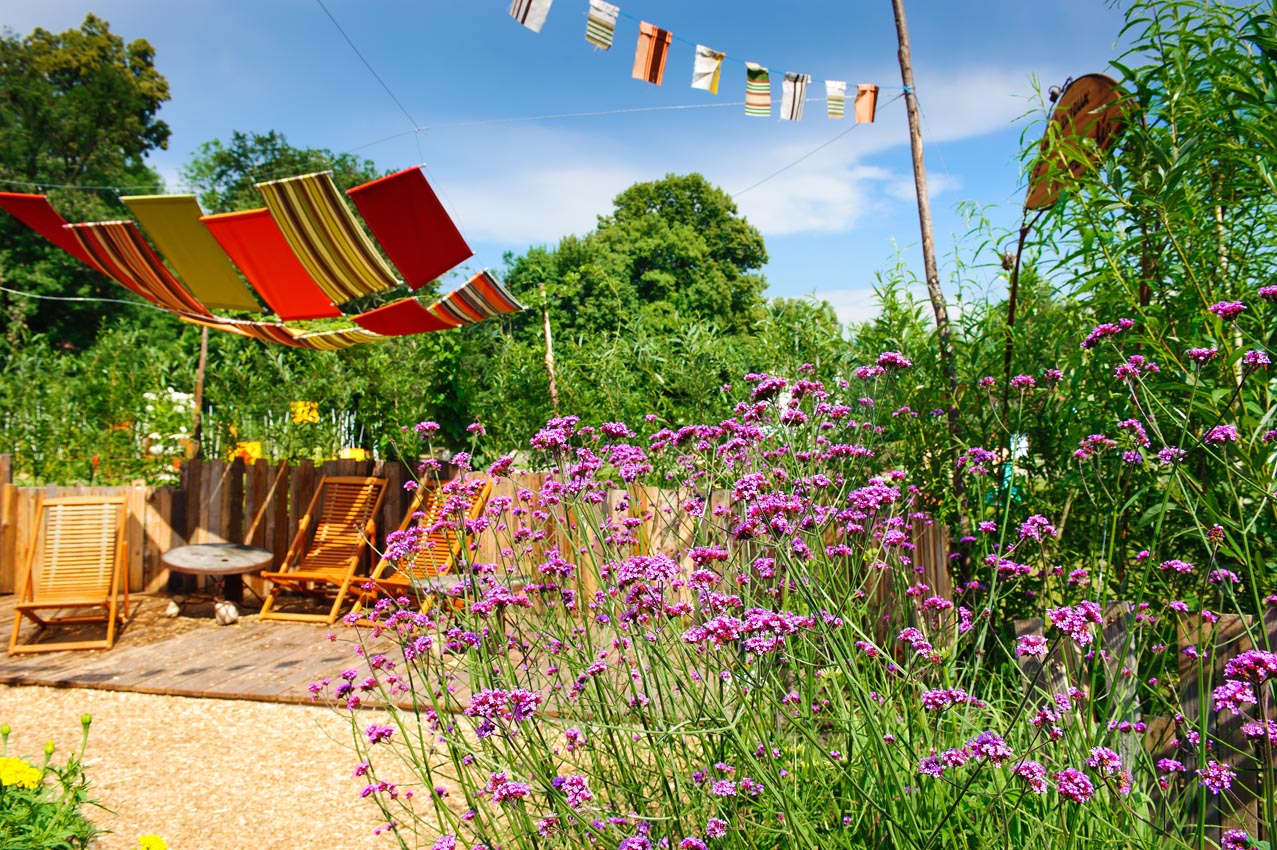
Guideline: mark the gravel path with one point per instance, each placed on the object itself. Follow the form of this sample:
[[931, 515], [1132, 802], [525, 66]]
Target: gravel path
[[204, 774]]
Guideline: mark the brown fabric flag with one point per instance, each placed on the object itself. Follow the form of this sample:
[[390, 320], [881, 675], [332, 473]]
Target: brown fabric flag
[[866, 103], [653, 50]]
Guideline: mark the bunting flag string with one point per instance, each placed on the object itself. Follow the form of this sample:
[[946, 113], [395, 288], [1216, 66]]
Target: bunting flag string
[[707, 69], [600, 23], [793, 95], [652, 54], [652, 51], [835, 98]]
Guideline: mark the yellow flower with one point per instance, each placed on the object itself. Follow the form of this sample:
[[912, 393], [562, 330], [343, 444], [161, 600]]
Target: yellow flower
[[250, 450], [151, 842], [16, 772], [304, 411]]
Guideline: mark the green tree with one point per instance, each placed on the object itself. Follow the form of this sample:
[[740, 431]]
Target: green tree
[[76, 108], [222, 174], [671, 247], [681, 241]]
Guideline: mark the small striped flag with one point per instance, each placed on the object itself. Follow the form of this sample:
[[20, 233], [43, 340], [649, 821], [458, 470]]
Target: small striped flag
[[530, 13], [793, 95], [835, 98], [758, 90], [706, 70], [652, 51], [600, 23]]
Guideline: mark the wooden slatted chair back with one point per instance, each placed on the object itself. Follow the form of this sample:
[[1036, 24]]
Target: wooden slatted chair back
[[439, 548], [346, 505], [77, 547]]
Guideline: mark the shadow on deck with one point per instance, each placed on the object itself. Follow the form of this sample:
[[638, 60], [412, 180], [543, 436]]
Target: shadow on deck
[[190, 656]]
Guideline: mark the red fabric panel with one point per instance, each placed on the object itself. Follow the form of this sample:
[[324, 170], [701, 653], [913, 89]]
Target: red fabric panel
[[37, 213], [411, 225], [401, 318], [254, 242]]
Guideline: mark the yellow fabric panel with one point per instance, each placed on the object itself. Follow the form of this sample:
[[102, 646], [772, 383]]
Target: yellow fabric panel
[[173, 223]]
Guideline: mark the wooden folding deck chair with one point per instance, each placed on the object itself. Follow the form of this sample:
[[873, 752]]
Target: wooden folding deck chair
[[330, 539], [438, 550], [76, 561]]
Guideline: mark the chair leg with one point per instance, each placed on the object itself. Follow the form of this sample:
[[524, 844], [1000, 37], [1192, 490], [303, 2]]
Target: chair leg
[[338, 602], [111, 614], [268, 602], [17, 626]]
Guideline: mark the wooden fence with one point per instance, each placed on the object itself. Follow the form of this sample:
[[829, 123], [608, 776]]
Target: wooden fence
[[216, 502], [260, 504], [1199, 673]]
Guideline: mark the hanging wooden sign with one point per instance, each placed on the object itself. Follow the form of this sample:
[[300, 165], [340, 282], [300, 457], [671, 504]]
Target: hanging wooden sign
[[1091, 107]]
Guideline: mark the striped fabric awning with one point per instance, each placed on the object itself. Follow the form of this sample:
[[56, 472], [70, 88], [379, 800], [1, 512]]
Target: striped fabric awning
[[120, 251], [264, 331], [324, 235], [173, 223], [481, 297], [253, 242], [304, 254]]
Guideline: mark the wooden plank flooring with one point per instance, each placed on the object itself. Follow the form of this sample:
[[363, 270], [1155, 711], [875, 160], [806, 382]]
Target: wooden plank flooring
[[270, 661]]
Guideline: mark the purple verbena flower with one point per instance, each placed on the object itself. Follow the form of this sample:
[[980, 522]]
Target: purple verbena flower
[[1227, 310], [1074, 785], [1216, 776]]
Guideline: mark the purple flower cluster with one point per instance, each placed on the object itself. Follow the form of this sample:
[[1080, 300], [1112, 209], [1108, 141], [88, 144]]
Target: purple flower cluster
[[1227, 310], [1105, 330], [493, 705], [893, 360], [1216, 776], [1076, 621]]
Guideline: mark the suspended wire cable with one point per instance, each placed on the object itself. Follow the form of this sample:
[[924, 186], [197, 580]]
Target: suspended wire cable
[[86, 299], [368, 65], [809, 153], [595, 114]]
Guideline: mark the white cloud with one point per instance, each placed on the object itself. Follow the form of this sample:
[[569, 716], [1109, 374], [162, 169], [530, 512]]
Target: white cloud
[[851, 305], [827, 201], [538, 207], [937, 183]]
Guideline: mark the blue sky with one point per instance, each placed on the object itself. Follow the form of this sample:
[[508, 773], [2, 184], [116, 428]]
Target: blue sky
[[464, 71]]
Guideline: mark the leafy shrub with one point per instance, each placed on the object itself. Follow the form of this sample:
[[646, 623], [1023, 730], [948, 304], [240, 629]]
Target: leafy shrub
[[42, 808]]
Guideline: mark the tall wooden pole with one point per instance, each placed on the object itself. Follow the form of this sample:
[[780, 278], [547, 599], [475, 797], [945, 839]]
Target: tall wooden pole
[[929, 262], [924, 213], [549, 349], [197, 429]]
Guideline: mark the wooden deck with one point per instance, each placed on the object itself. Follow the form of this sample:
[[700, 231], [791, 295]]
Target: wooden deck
[[191, 656]]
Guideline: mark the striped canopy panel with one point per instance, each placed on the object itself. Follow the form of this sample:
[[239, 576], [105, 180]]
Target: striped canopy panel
[[120, 251], [481, 297], [324, 235]]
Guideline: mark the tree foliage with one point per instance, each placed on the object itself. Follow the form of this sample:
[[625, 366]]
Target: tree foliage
[[76, 108], [222, 174], [674, 247]]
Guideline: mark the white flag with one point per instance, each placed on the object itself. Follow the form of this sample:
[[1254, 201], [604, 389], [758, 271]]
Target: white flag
[[793, 94], [530, 13], [705, 73]]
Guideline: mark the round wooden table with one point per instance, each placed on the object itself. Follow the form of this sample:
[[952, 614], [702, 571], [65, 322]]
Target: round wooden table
[[223, 563]]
